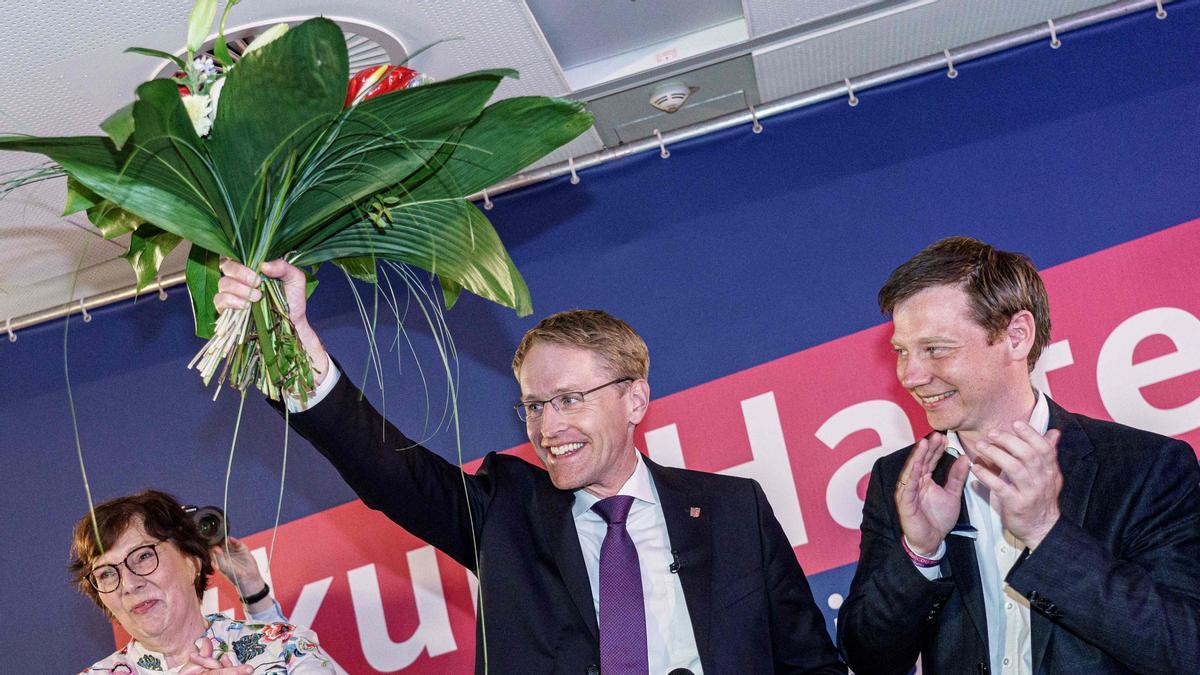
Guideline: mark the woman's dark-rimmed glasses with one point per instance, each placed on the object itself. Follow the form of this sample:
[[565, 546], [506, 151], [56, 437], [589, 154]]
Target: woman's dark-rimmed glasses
[[142, 561]]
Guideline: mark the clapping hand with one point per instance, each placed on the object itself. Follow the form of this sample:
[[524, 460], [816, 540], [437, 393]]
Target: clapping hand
[[203, 663], [1029, 489], [928, 511]]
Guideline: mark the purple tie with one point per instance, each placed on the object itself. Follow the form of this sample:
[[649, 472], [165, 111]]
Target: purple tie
[[622, 608]]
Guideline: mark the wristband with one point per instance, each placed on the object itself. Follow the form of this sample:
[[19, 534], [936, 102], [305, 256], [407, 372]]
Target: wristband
[[918, 560], [266, 590]]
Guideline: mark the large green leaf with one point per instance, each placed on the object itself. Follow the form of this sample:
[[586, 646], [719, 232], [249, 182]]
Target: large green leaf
[[159, 175], [451, 239], [202, 274], [151, 195], [382, 141], [148, 247], [167, 150], [508, 136], [433, 228], [272, 104]]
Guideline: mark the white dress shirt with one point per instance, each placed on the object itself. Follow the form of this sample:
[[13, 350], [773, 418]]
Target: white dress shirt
[[996, 550], [669, 634], [321, 391]]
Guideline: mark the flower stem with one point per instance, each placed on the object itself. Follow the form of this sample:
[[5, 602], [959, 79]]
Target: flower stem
[[266, 342]]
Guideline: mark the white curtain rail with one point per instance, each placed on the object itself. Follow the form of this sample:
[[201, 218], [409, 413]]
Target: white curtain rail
[[938, 61], [93, 301]]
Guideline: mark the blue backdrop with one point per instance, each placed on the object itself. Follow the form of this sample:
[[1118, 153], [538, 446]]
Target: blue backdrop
[[739, 249]]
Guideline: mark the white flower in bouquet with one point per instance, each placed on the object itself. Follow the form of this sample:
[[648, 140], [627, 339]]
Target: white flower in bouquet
[[200, 110]]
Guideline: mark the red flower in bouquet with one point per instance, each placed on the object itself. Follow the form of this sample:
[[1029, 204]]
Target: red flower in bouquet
[[370, 82]]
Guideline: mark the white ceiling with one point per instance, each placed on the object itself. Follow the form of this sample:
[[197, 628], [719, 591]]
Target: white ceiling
[[65, 72]]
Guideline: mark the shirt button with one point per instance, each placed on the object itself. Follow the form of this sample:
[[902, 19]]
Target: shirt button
[[1004, 549], [1006, 661], [1008, 605]]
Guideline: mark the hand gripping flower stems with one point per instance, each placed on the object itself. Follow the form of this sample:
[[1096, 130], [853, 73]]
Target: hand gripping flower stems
[[269, 357]]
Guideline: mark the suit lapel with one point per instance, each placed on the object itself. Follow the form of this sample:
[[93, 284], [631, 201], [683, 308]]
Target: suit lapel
[[688, 516], [1076, 463], [964, 563], [558, 524], [1078, 469]]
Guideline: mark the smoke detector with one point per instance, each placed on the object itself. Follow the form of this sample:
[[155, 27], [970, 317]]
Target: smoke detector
[[670, 96]]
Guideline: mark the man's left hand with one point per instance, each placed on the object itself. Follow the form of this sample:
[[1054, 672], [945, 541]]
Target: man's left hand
[[1032, 481]]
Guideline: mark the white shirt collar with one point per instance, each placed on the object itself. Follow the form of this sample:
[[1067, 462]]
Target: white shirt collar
[[639, 486], [1039, 419]]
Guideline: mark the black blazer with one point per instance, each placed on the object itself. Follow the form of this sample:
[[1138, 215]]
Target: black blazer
[[750, 605], [1114, 587]]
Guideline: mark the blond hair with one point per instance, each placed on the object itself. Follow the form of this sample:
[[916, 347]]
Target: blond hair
[[617, 344]]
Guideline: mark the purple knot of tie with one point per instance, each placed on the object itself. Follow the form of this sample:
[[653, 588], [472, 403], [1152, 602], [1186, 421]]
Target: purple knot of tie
[[622, 606], [614, 510]]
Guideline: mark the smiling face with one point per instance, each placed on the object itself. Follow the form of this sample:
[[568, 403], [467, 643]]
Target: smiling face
[[159, 608], [964, 381], [591, 448]]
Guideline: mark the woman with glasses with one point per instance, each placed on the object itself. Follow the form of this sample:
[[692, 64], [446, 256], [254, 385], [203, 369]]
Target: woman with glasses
[[144, 563]]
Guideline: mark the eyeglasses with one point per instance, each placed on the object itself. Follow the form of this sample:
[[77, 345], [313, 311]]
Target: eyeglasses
[[142, 561], [566, 403]]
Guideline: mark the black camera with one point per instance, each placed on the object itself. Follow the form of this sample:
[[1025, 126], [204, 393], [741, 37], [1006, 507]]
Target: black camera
[[210, 521]]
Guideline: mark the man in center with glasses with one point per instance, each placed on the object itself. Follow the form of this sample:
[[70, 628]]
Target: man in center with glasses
[[603, 562]]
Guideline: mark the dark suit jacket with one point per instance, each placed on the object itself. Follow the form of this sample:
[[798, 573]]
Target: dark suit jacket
[[1114, 587], [750, 605]]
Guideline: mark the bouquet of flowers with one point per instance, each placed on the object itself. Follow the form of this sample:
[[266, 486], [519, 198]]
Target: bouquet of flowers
[[283, 154]]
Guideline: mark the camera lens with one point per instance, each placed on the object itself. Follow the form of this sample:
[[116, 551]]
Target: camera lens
[[210, 521], [209, 525]]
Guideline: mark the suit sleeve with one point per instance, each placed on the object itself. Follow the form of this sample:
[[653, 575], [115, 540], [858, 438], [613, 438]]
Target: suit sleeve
[[799, 639], [1141, 605], [891, 607], [417, 489]]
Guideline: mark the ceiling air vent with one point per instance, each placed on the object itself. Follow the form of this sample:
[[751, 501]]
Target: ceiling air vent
[[367, 46]]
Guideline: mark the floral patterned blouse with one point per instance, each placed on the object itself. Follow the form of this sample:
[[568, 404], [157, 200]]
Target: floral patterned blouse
[[269, 647]]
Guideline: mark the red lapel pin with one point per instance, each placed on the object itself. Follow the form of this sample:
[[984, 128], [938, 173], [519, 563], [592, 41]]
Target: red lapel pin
[[694, 512]]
